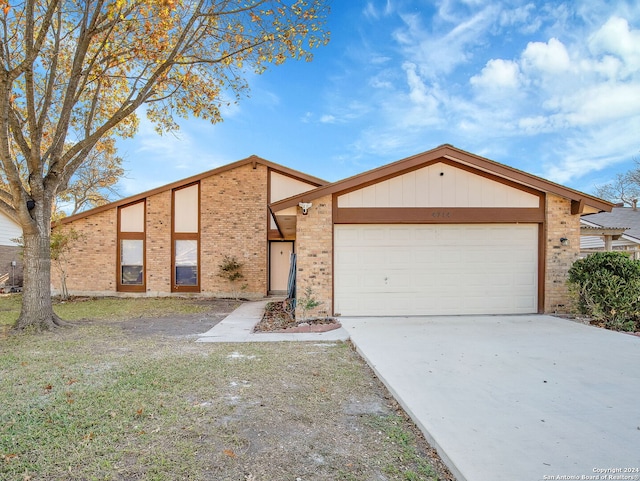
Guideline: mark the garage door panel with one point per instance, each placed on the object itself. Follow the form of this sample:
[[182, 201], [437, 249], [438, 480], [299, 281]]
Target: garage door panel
[[435, 269]]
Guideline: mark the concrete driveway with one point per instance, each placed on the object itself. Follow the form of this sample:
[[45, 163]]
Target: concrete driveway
[[513, 397]]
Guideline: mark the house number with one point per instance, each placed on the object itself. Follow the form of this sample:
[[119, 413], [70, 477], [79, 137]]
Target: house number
[[440, 214]]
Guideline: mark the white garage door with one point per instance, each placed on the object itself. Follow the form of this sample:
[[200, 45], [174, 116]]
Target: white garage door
[[383, 270]]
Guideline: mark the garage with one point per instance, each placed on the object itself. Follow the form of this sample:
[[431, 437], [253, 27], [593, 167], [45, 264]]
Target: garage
[[444, 232], [435, 269]]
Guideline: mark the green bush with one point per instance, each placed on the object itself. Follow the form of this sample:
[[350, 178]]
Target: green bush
[[607, 288]]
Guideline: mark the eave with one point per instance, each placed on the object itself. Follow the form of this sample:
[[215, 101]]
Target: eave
[[580, 202]]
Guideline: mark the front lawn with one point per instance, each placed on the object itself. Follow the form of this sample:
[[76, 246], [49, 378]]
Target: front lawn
[[113, 308], [104, 401]]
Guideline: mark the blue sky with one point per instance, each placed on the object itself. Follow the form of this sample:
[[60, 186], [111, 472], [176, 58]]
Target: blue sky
[[552, 88]]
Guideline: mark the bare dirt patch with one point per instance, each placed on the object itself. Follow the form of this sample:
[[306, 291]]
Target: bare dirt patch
[[188, 326]]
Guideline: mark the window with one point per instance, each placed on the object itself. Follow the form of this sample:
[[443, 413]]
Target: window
[[186, 239], [131, 251], [186, 262], [132, 262]]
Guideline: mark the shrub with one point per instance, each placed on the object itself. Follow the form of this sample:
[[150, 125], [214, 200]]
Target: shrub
[[607, 288], [231, 270]]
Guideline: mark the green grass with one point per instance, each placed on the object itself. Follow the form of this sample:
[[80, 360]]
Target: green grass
[[111, 308], [410, 463]]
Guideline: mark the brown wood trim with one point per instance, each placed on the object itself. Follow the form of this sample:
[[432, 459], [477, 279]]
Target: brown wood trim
[[542, 266], [436, 215], [459, 157], [274, 235], [577, 207], [271, 215], [132, 236], [197, 178], [185, 236]]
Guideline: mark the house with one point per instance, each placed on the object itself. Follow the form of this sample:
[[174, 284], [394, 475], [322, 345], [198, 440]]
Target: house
[[617, 230], [10, 255], [174, 239], [442, 232]]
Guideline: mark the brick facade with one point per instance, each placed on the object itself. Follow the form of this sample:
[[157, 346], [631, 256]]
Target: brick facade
[[233, 213], [91, 260], [314, 245], [559, 258], [234, 221]]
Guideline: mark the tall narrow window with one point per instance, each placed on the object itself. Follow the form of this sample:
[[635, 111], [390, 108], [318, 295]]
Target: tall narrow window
[[186, 239], [131, 265]]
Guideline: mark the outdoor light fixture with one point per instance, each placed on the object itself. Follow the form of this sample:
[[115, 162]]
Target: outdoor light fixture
[[305, 206], [564, 241]]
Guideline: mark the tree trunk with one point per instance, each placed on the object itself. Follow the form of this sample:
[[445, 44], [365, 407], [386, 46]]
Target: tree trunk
[[37, 307]]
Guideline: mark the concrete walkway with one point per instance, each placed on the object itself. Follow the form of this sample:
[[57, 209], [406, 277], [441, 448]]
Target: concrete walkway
[[238, 327]]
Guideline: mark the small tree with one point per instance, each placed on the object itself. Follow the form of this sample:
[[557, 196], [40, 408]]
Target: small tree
[[61, 242], [607, 288], [307, 302], [231, 270]]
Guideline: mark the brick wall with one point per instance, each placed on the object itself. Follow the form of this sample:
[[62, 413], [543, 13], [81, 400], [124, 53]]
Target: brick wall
[[90, 263], [233, 207], [559, 258], [158, 243], [314, 245], [234, 223]]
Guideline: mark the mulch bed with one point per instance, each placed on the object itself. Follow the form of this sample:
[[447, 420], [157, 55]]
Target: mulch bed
[[278, 317]]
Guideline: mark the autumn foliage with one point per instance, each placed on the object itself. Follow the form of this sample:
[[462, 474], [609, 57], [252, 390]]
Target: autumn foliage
[[74, 73]]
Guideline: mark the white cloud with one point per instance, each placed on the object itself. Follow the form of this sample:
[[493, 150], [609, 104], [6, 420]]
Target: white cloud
[[521, 17], [616, 38], [328, 119], [593, 150], [498, 74], [551, 78], [546, 58], [178, 154], [441, 51], [371, 11], [418, 92]]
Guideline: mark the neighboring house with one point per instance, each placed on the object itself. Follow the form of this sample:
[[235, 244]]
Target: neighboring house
[[442, 232], [617, 230], [10, 252]]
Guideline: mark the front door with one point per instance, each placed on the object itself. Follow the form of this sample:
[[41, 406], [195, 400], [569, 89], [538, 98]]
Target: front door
[[279, 263]]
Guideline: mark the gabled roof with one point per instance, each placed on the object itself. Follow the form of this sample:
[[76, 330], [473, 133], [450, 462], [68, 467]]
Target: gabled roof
[[448, 152], [619, 217], [253, 159]]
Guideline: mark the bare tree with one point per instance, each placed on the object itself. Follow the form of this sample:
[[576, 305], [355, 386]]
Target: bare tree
[[93, 184], [624, 188]]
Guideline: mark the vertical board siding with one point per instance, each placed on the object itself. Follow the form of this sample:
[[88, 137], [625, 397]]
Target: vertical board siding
[[439, 185]]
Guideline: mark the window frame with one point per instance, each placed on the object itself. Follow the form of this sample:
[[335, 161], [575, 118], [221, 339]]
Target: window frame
[[177, 236], [120, 287]]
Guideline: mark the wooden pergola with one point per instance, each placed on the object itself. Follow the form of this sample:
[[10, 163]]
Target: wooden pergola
[[608, 233]]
